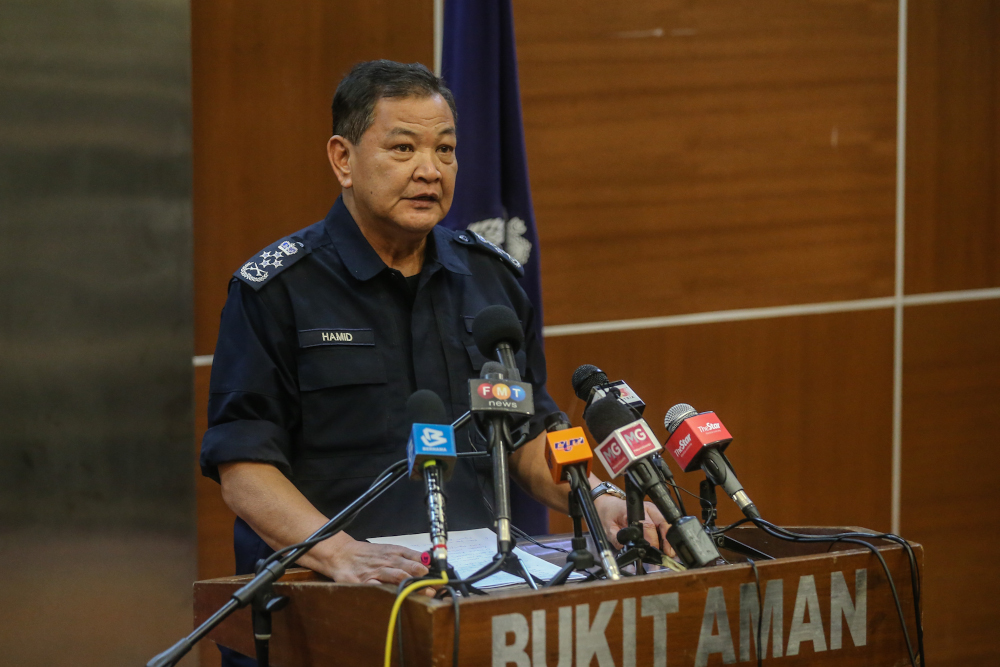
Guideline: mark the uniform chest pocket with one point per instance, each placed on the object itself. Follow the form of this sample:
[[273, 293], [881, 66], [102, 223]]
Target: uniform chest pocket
[[344, 397], [326, 367]]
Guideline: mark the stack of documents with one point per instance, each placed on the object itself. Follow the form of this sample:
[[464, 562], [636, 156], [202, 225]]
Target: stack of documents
[[470, 550]]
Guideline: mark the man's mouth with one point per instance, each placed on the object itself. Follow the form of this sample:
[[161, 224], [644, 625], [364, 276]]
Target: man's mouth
[[426, 198]]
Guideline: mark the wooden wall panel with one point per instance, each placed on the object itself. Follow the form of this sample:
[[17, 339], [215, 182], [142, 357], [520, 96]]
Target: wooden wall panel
[[808, 400], [951, 417], [953, 146], [264, 74], [715, 155], [215, 519]]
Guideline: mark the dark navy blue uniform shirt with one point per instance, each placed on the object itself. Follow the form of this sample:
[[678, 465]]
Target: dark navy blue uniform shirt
[[320, 346]]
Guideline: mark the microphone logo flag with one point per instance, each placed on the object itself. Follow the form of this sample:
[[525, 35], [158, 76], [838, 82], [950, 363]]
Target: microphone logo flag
[[627, 444], [507, 396], [694, 434], [565, 448], [431, 441]]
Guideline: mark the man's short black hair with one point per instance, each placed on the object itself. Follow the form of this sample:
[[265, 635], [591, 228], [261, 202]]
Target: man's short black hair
[[354, 102]]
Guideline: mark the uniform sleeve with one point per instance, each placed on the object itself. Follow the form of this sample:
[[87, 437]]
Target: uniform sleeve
[[536, 373], [253, 400]]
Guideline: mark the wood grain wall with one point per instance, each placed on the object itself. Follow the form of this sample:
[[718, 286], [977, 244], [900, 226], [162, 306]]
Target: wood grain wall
[[691, 156]]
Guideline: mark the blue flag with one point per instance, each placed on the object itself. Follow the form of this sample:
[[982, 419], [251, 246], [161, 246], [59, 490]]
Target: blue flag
[[492, 195]]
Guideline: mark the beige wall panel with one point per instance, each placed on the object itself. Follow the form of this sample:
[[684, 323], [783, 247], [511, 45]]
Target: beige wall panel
[[715, 155], [953, 146], [808, 400], [264, 74], [951, 417]]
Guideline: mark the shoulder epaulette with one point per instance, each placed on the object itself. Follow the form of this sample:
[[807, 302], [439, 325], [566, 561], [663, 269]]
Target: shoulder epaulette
[[476, 240], [271, 261]]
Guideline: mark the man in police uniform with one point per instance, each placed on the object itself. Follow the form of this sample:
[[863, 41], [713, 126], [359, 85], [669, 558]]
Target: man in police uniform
[[327, 332]]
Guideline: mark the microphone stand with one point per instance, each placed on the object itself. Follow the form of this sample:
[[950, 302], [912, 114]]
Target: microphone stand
[[499, 442], [582, 507], [635, 547], [259, 591], [580, 558], [706, 489]]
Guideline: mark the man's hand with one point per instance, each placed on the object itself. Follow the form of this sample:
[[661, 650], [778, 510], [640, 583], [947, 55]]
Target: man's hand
[[354, 562], [281, 515], [614, 517]]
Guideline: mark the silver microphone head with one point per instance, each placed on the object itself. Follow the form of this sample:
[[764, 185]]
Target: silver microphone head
[[676, 415]]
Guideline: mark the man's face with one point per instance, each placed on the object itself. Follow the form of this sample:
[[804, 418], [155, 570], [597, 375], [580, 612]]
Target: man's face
[[403, 170]]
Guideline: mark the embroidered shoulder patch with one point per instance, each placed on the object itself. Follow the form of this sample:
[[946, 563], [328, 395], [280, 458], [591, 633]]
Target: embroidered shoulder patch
[[271, 261], [476, 240]]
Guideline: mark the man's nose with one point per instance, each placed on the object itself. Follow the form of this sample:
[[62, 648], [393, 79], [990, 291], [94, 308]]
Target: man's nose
[[427, 167]]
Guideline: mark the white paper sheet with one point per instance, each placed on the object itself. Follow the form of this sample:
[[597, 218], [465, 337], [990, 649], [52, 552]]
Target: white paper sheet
[[469, 550]]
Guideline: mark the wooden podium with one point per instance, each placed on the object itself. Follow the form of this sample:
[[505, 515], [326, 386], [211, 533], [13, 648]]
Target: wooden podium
[[823, 604]]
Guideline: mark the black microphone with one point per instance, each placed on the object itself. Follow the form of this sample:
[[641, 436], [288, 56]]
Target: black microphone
[[498, 333], [698, 440], [626, 445], [591, 384], [431, 456], [569, 459]]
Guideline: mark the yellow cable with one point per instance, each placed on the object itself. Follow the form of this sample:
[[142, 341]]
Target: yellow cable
[[399, 602]]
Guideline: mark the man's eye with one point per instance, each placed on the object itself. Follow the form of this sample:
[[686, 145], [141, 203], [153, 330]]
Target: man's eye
[[446, 149], [406, 148]]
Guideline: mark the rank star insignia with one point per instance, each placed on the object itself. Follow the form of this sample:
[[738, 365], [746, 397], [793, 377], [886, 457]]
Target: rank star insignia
[[254, 273], [271, 259]]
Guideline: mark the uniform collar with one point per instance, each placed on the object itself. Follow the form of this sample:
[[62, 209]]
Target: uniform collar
[[361, 259]]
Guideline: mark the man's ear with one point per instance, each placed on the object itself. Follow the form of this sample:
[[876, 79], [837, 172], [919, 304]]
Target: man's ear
[[338, 150]]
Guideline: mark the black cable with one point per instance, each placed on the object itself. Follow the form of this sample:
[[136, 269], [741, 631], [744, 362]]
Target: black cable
[[529, 538], [760, 612], [454, 604], [784, 534], [915, 582], [673, 485]]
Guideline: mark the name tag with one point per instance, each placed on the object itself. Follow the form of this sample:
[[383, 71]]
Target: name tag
[[315, 337]]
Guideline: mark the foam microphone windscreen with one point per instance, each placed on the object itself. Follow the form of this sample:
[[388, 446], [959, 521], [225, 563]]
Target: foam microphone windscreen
[[494, 325], [606, 415], [493, 368], [425, 407], [585, 378]]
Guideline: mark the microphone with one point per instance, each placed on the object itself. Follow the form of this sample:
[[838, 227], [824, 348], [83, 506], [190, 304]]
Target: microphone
[[569, 459], [498, 333], [698, 440], [590, 384], [626, 445], [431, 456]]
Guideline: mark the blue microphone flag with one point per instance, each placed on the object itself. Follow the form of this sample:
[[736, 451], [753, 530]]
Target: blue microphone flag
[[431, 442]]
